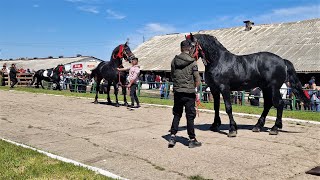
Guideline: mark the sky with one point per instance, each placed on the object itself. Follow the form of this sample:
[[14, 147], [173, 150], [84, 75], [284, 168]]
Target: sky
[[42, 28]]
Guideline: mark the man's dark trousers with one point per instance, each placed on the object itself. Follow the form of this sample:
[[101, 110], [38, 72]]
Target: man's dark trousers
[[133, 94], [186, 100]]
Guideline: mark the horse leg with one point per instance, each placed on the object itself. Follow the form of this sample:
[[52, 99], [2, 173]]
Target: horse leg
[[41, 84], [58, 86], [226, 97], [124, 92], [108, 94], [278, 103], [267, 96], [217, 120], [37, 83], [116, 89], [97, 91]]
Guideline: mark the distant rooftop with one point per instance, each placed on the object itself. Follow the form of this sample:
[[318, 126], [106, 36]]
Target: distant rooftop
[[45, 63], [298, 42]]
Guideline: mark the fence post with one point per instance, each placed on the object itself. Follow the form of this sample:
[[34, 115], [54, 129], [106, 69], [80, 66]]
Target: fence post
[[139, 87], [200, 93], [242, 99], [9, 81], [294, 102], [76, 85], [94, 87], [166, 93]]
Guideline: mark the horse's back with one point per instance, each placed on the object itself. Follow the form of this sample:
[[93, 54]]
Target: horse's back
[[245, 72], [272, 68]]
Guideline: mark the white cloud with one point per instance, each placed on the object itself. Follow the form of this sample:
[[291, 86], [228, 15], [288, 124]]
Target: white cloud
[[89, 9], [114, 15], [289, 14], [272, 16], [157, 28], [35, 6]]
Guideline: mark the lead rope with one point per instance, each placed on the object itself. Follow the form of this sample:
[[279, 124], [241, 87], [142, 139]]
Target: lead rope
[[198, 103]]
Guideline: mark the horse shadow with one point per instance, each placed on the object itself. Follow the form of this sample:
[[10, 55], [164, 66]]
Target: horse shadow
[[225, 127], [112, 104], [180, 139]]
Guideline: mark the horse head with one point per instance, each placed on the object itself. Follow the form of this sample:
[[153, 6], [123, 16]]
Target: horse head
[[122, 51], [196, 49], [60, 69]]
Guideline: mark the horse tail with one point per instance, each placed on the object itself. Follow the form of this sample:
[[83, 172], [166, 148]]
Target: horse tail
[[295, 82]]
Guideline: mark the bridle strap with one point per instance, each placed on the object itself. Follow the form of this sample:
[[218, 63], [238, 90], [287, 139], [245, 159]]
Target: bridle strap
[[120, 52]]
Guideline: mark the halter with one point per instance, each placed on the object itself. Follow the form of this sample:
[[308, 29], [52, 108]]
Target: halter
[[120, 53], [60, 69], [197, 47]]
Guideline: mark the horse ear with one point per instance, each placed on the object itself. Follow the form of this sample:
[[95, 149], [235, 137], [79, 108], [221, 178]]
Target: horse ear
[[127, 42], [192, 37]]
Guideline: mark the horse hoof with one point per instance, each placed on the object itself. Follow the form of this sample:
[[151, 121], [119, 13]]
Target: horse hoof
[[126, 104], [256, 129], [214, 128], [273, 132], [95, 102], [117, 105], [109, 103], [232, 134]]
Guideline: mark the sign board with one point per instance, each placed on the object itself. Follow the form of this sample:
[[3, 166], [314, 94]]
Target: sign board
[[77, 66]]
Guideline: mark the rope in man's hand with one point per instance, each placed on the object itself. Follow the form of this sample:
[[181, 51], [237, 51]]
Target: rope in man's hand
[[198, 103]]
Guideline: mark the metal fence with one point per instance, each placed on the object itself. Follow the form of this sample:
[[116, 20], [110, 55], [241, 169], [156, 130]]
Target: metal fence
[[163, 90]]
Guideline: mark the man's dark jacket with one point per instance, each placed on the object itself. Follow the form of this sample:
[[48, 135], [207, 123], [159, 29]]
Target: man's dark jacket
[[13, 73], [184, 72]]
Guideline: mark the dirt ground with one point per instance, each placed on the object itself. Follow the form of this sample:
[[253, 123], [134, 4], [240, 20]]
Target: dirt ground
[[133, 144]]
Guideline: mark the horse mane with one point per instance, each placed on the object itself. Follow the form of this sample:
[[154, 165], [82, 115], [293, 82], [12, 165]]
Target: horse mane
[[210, 42], [211, 46], [115, 52]]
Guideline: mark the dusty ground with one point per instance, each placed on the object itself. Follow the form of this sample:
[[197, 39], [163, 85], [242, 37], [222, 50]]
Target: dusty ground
[[133, 144]]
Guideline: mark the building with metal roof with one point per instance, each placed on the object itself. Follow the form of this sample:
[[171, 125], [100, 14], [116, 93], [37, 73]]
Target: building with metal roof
[[298, 42], [80, 63]]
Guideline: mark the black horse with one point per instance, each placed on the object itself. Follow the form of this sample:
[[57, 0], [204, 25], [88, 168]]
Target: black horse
[[226, 72], [108, 71], [49, 75]]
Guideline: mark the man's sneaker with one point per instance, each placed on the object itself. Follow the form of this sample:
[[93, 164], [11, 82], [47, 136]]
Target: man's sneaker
[[130, 106], [172, 141], [194, 143], [135, 107]]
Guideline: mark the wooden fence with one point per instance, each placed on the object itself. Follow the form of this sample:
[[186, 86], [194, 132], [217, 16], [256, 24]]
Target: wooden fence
[[24, 79]]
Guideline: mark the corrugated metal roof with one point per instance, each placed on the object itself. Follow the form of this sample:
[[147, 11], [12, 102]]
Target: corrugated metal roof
[[298, 42], [45, 63]]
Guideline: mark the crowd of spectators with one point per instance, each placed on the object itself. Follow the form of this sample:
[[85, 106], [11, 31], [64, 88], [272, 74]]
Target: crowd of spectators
[[78, 82]]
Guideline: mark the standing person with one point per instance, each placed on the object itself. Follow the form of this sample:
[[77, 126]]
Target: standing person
[[3, 71], [158, 80], [149, 80], [254, 96], [134, 72], [13, 75], [186, 78]]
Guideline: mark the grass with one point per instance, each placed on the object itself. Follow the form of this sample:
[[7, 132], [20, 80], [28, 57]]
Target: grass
[[20, 163], [305, 115]]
